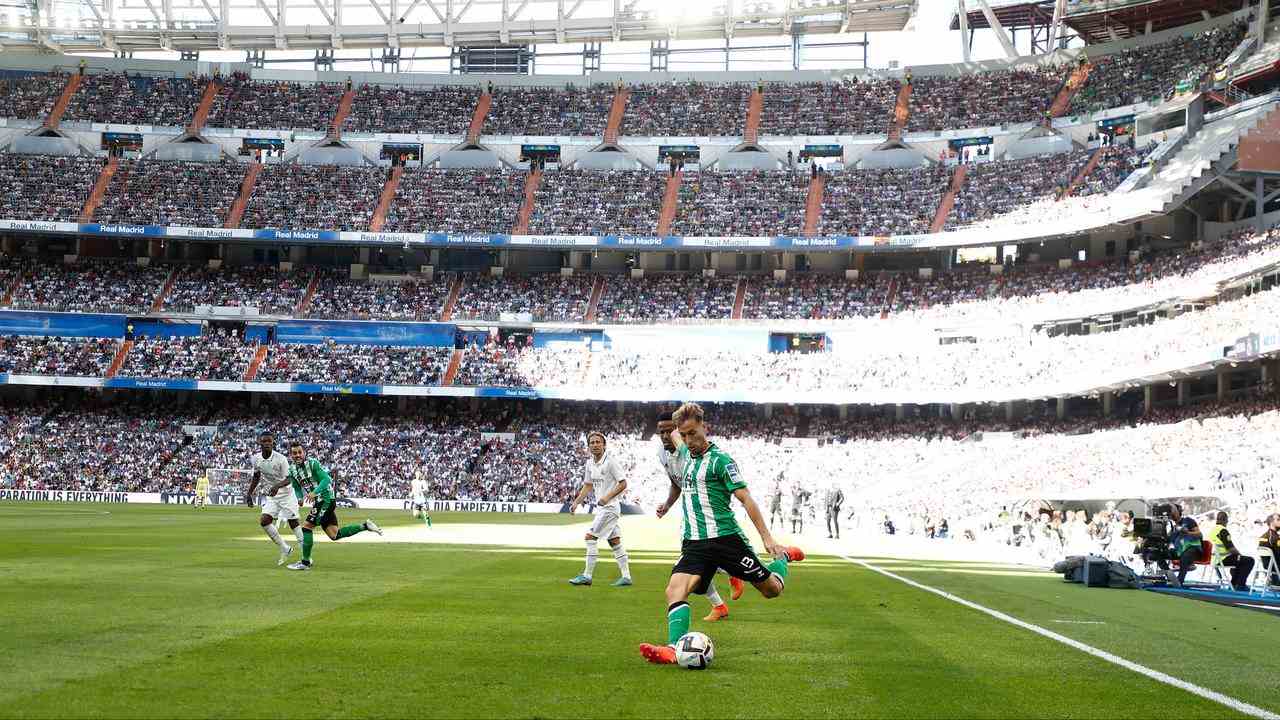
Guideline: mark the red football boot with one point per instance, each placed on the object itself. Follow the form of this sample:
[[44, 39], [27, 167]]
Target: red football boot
[[736, 586], [658, 654]]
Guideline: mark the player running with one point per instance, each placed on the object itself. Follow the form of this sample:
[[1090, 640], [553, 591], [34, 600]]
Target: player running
[[272, 469], [418, 491], [602, 474], [202, 491], [673, 466], [313, 486], [712, 539]]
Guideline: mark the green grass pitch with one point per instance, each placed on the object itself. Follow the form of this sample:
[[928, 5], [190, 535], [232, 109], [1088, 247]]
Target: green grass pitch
[[117, 611]]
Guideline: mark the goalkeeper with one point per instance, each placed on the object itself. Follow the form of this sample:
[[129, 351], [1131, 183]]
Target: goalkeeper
[[313, 486]]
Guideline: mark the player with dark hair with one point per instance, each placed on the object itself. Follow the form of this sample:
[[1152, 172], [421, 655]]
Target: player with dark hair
[[272, 469], [712, 538], [313, 486]]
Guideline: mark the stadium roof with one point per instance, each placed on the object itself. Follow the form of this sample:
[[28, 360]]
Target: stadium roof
[[1099, 21], [188, 25]]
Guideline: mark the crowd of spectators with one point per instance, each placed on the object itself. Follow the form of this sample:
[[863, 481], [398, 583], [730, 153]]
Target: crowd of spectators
[[549, 111], [744, 204], [338, 297], [436, 109], [882, 202], [331, 362], [66, 356], [251, 105], [30, 96], [186, 194], [270, 290], [547, 297], [686, 108], [846, 107], [813, 297], [984, 99], [217, 354], [45, 188], [1150, 72], [996, 188], [590, 202], [655, 298], [479, 201], [89, 286], [135, 100], [314, 197]]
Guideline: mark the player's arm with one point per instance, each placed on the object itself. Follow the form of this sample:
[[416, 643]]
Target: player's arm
[[757, 519], [253, 485], [673, 494], [582, 495], [324, 488]]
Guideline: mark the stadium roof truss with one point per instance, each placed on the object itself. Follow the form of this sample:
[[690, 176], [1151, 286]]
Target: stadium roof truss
[[1094, 21], [194, 25]]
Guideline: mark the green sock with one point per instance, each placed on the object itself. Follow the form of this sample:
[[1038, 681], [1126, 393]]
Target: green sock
[[427, 518], [779, 566], [677, 621], [307, 541], [349, 530]]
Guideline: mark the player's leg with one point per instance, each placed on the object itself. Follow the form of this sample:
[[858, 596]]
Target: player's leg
[[589, 564], [719, 610], [679, 587], [268, 522], [308, 540], [737, 558], [620, 555]]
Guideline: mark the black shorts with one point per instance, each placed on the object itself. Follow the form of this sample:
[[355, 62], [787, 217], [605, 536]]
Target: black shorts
[[322, 514], [729, 553]]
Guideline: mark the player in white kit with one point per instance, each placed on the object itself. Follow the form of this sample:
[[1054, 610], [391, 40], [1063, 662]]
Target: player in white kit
[[418, 493], [602, 475], [271, 468], [669, 459]]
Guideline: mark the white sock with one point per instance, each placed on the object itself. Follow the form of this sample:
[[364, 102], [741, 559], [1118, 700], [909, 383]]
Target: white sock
[[272, 533], [593, 552], [297, 532], [713, 595], [621, 556]]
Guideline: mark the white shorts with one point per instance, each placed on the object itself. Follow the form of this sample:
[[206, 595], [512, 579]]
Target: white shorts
[[281, 509], [605, 525], [419, 500]]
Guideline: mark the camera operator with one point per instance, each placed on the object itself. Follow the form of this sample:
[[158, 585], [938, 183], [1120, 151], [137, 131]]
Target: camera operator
[[1185, 541], [1227, 555], [1271, 540]]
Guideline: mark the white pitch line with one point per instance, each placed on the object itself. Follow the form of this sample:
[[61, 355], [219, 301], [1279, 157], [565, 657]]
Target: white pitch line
[[1206, 693]]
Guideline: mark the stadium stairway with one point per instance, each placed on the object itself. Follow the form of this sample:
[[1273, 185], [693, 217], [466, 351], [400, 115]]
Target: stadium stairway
[[813, 204], [755, 107], [259, 356], [118, 361], [949, 200], [60, 107], [340, 116], [242, 201], [1081, 176], [384, 200], [613, 127], [739, 298], [455, 361], [158, 304], [531, 183], [889, 296], [1075, 81], [670, 202], [455, 289], [901, 112], [597, 289], [99, 189], [12, 290], [201, 115], [304, 305], [478, 117], [803, 422]]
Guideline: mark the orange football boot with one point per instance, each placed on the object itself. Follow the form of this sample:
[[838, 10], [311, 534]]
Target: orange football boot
[[719, 612], [658, 654]]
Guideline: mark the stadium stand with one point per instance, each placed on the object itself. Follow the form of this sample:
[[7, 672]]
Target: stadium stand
[[882, 202], [272, 291], [135, 100], [89, 286], [332, 362], [315, 196], [665, 297], [744, 204], [74, 357], [171, 193], [547, 297], [437, 109], [486, 201], [549, 111], [686, 108], [829, 108], [413, 299], [582, 202], [30, 96], [41, 188], [216, 354], [982, 99], [248, 104]]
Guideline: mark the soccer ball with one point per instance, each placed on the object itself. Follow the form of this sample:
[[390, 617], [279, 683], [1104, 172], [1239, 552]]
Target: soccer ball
[[694, 651]]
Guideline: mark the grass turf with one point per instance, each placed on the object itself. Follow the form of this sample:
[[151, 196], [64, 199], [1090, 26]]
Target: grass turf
[[164, 611]]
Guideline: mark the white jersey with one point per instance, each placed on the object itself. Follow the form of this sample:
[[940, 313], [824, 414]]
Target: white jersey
[[273, 470], [604, 476], [418, 486], [671, 464]]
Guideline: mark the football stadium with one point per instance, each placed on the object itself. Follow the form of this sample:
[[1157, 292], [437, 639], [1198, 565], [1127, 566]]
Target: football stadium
[[640, 358]]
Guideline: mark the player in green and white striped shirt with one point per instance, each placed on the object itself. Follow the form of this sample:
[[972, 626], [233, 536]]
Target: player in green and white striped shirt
[[712, 539]]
